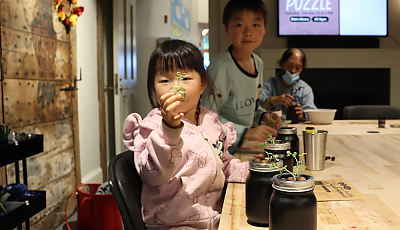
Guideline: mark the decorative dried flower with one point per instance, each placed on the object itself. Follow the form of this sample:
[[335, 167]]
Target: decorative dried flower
[[71, 19]]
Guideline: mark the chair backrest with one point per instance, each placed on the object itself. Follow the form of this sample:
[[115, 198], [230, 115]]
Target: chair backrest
[[371, 112], [126, 187]]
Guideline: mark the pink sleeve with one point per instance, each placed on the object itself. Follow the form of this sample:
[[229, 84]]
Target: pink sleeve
[[230, 134], [157, 149], [130, 125], [234, 169]]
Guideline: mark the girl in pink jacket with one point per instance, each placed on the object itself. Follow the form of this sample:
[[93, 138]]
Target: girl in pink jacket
[[181, 148]]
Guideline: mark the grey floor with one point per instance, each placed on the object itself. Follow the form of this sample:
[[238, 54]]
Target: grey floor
[[72, 223]]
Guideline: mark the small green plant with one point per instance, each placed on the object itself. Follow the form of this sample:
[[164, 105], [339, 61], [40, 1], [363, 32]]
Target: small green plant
[[179, 89], [4, 132], [298, 169], [271, 138], [270, 157], [180, 77]]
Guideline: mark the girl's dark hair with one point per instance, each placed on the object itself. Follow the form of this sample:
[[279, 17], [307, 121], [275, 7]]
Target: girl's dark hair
[[233, 6], [288, 53], [172, 55]]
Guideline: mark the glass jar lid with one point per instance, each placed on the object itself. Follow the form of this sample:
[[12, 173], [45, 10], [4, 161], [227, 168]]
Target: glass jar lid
[[293, 186], [287, 130], [264, 167], [278, 145]]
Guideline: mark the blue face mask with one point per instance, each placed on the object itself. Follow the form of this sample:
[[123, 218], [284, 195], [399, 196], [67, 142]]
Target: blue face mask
[[290, 78]]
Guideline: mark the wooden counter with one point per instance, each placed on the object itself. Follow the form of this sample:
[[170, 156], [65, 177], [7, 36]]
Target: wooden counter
[[368, 161]]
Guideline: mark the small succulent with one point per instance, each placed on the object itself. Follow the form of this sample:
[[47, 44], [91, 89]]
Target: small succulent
[[4, 132], [270, 157], [297, 171]]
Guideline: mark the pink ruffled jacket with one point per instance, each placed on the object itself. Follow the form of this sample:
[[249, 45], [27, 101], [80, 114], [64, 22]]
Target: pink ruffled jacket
[[183, 170]]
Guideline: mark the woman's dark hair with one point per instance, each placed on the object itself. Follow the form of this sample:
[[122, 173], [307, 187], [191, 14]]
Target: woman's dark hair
[[288, 53], [233, 6], [172, 55]]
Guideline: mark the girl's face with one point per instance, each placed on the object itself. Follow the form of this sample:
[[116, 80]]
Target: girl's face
[[164, 81]]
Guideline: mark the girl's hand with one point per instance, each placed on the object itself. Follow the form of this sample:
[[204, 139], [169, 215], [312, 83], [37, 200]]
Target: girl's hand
[[169, 103], [300, 112]]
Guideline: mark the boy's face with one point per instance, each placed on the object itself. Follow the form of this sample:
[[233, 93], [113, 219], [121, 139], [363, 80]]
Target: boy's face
[[246, 30]]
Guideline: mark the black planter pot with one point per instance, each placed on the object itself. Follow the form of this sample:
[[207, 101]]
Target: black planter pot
[[279, 149], [258, 191], [289, 134], [293, 204]]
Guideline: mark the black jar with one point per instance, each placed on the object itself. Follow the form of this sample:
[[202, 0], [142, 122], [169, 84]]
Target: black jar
[[293, 204], [289, 134], [291, 114], [279, 149], [259, 190]]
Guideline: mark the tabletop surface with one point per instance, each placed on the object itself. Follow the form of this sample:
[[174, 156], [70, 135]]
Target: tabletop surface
[[368, 161]]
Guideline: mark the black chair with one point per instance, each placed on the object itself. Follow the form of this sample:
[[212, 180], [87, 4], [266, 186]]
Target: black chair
[[126, 187], [371, 112]]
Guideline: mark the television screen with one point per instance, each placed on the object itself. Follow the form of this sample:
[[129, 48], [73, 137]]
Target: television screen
[[332, 18]]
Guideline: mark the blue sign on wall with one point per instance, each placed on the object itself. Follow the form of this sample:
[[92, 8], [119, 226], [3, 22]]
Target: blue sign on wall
[[180, 21]]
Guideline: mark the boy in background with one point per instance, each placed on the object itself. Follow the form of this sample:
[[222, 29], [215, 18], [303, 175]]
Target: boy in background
[[238, 74]]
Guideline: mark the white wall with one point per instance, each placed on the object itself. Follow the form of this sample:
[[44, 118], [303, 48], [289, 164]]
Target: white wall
[[88, 104], [150, 26]]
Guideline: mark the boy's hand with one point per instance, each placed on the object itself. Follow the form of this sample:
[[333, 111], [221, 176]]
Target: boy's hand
[[169, 103], [300, 112], [284, 99], [268, 116], [259, 133]]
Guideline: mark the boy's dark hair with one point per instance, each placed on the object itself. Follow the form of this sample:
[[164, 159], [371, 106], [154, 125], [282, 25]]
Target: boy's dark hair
[[233, 6], [172, 55], [288, 53]]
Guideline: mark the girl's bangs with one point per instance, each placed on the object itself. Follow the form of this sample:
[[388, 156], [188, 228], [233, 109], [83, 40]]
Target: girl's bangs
[[171, 62]]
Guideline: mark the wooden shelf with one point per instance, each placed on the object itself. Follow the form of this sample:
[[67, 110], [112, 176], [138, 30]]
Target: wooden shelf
[[30, 204]]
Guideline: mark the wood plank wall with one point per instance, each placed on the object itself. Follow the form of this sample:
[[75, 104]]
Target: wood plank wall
[[39, 60]]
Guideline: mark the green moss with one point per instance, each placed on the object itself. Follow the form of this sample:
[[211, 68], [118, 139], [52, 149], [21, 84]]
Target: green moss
[[180, 90]]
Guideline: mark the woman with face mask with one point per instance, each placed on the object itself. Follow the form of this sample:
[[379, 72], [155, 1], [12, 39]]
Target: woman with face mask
[[287, 89]]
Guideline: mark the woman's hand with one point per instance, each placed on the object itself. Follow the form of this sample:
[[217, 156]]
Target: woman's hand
[[169, 103], [284, 99], [267, 116], [300, 112]]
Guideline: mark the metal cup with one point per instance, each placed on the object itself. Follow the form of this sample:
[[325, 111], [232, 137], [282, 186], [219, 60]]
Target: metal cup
[[315, 147]]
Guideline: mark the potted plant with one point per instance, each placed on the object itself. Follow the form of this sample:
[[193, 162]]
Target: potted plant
[[4, 132], [278, 149], [259, 187], [293, 197]]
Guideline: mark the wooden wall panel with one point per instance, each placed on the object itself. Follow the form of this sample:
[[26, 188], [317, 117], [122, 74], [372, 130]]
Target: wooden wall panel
[[57, 193], [31, 101], [28, 15], [28, 55], [39, 60]]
